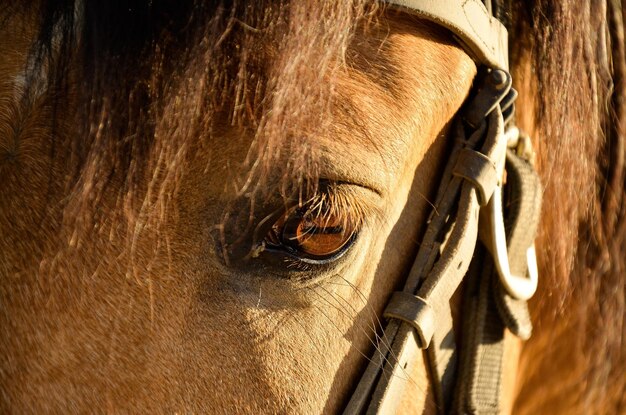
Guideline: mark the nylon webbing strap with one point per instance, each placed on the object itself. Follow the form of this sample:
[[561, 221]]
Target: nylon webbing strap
[[480, 374], [523, 205], [488, 309]]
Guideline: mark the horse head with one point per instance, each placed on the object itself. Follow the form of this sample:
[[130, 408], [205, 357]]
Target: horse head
[[207, 206]]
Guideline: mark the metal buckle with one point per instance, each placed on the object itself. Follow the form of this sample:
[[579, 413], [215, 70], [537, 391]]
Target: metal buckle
[[493, 234]]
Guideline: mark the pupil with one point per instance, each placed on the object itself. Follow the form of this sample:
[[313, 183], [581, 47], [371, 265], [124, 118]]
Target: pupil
[[326, 230]]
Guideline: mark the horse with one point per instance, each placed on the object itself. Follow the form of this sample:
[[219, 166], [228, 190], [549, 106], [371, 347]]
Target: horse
[[162, 164]]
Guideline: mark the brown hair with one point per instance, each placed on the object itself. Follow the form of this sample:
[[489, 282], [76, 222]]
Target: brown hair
[[570, 65]]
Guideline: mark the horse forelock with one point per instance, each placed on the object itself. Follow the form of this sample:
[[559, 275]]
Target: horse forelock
[[159, 83]]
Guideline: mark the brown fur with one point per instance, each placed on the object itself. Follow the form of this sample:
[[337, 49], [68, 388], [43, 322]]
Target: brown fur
[[187, 118]]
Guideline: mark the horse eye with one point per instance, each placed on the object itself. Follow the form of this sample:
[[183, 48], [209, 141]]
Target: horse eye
[[311, 235]]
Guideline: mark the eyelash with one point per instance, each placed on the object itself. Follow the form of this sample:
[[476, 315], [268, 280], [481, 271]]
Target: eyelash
[[330, 221]]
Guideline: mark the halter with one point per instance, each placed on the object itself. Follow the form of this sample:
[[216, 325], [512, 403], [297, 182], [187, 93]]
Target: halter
[[471, 237]]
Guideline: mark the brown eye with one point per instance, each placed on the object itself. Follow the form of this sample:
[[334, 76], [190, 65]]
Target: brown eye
[[312, 235]]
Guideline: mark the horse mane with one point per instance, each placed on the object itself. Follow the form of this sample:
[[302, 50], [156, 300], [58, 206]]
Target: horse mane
[[155, 74], [570, 64]]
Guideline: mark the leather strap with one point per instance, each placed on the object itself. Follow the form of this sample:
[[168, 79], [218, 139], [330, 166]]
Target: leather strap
[[420, 316], [444, 257], [481, 34]]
